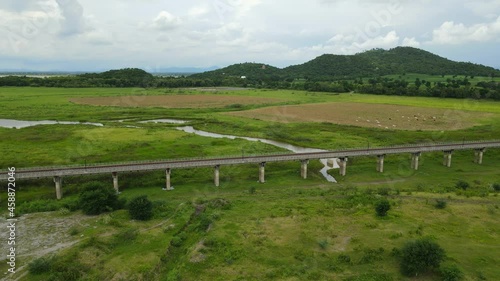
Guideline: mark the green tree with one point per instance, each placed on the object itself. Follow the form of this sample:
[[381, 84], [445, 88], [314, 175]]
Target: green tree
[[382, 207], [420, 256], [97, 198], [140, 208]]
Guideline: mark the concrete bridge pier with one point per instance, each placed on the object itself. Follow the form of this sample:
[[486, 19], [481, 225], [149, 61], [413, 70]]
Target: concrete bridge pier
[[167, 174], [216, 175], [303, 168], [380, 163], [262, 172], [447, 158], [343, 165], [58, 182], [115, 182], [415, 160], [479, 156]]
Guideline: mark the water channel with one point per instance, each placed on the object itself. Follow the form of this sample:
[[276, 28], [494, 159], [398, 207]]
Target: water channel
[[18, 124]]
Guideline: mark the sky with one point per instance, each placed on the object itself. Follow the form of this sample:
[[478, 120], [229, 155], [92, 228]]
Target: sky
[[97, 35]]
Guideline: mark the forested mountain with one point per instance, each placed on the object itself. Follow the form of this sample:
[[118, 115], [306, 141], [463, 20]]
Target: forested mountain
[[373, 63], [412, 60], [257, 71]]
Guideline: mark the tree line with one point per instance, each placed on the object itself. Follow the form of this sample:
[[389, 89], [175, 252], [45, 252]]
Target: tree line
[[449, 88]]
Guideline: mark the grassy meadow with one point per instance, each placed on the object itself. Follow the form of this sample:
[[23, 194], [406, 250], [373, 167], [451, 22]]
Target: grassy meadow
[[285, 229]]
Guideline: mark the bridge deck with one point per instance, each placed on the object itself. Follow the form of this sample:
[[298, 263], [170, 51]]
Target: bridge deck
[[42, 172]]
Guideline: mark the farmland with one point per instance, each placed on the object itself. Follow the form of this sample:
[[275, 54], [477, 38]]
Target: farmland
[[285, 229], [369, 115]]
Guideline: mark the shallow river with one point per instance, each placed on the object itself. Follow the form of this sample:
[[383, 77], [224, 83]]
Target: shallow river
[[293, 148], [18, 124]]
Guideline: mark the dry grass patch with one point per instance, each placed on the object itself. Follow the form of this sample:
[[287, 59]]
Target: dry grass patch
[[176, 101], [383, 116]]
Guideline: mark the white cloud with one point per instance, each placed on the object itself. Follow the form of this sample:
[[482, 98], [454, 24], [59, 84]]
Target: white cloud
[[410, 42], [198, 11], [220, 32], [352, 43], [390, 40], [488, 9], [73, 20], [452, 33], [165, 21]]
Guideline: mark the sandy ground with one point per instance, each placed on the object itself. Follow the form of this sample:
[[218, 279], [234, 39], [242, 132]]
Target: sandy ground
[[383, 116], [38, 235], [176, 101]]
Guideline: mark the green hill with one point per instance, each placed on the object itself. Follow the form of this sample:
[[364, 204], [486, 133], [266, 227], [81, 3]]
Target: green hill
[[376, 62], [130, 76], [252, 71]]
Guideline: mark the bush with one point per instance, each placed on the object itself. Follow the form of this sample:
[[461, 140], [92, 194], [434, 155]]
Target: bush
[[40, 265], [462, 185], [451, 273], [440, 204], [496, 186], [37, 206], [70, 203], [140, 208], [382, 208], [176, 241], [419, 256], [97, 198], [323, 244], [343, 258]]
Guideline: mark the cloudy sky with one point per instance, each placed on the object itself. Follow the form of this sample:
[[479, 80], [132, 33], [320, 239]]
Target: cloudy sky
[[95, 35]]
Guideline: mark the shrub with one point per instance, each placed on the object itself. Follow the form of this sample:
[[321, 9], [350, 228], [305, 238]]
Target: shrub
[[462, 185], [252, 190], [70, 203], [97, 198], [140, 208], [451, 273], [496, 186], [40, 265], [205, 222], [384, 191], [371, 255], [440, 204], [343, 258], [419, 256], [37, 206], [323, 244], [176, 241], [382, 207]]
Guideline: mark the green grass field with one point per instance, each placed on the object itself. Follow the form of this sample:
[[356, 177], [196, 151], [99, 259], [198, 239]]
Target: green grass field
[[285, 229]]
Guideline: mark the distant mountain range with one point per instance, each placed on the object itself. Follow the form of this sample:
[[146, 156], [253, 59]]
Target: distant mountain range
[[376, 62], [373, 63]]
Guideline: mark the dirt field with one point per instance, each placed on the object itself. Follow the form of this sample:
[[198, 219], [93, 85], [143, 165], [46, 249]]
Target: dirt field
[[381, 116], [176, 101]]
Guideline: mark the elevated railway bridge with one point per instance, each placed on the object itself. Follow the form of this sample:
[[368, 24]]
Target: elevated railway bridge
[[341, 156]]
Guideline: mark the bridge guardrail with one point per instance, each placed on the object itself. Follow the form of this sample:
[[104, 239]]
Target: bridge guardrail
[[276, 156]]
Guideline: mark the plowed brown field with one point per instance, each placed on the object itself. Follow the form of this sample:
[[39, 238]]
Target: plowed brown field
[[177, 101], [371, 115]]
